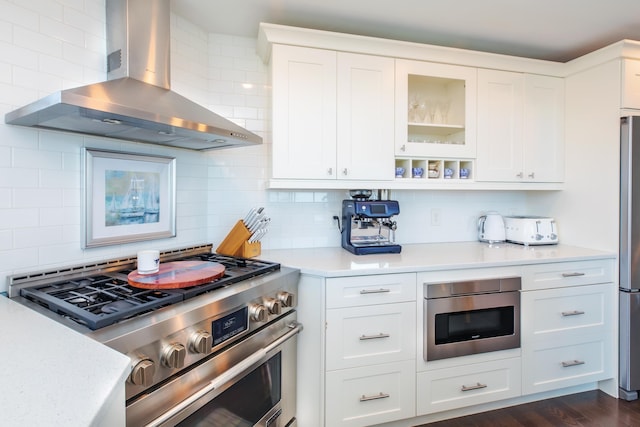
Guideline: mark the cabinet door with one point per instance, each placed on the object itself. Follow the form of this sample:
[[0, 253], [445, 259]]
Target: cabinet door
[[435, 110], [365, 117], [500, 121], [543, 129], [304, 112], [630, 83]]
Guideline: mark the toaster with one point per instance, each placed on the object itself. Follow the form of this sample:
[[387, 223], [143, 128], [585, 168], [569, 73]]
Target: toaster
[[531, 230]]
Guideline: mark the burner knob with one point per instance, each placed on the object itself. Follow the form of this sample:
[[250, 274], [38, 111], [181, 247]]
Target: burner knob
[[258, 312], [286, 299], [201, 342], [274, 306], [173, 356], [142, 373]]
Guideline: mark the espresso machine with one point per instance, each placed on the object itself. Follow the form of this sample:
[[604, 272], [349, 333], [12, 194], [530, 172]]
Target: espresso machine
[[368, 226]]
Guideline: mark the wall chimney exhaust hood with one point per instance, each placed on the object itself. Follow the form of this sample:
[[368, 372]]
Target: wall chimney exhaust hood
[[135, 103]]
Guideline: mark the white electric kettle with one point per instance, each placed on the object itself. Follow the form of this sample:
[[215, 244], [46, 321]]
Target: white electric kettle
[[491, 228]]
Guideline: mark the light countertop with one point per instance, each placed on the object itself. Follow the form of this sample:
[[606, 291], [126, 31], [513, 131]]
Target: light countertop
[[337, 262], [53, 376]]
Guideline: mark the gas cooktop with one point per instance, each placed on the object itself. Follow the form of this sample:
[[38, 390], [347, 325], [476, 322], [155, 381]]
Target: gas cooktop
[[99, 300]]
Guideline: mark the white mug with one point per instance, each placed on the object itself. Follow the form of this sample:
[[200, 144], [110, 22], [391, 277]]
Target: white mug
[[148, 261]]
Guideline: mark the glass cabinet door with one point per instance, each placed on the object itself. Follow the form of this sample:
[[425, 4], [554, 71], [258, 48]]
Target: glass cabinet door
[[435, 110]]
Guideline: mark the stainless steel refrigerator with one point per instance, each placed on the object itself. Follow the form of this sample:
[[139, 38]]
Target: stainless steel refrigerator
[[629, 257]]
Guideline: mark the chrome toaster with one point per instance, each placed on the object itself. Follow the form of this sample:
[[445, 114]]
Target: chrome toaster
[[531, 230]]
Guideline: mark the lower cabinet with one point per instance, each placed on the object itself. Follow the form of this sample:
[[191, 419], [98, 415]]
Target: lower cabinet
[[360, 355], [370, 395], [450, 388]]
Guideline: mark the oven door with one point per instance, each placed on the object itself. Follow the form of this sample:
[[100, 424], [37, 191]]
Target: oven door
[[471, 324], [252, 383]]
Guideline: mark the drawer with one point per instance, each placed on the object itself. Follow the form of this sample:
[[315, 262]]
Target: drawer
[[561, 274], [566, 312], [451, 388], [361, 336], [369, 290], [370, 395], [566, 365]]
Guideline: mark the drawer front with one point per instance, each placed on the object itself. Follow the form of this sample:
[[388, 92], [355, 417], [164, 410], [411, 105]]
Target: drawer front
[[554, 313], [557, 275], [361, 336], [451, 388], [369, 290], [566, 365], [370, 395]]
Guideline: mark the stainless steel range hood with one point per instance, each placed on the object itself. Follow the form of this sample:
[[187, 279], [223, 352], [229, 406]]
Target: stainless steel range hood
[[136, 102]]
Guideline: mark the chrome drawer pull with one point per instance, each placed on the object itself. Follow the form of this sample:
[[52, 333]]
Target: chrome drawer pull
[[572, 274], [374, 291], [375, 397], [473, 387], [572, 313], [572, 363], [374, 337]]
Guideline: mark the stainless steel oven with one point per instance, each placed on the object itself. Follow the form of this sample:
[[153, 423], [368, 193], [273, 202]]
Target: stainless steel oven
[[470, 317], [249, 384], [221, 353]]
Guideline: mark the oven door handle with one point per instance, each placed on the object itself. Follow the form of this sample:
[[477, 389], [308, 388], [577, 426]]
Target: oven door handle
[[228, 375]]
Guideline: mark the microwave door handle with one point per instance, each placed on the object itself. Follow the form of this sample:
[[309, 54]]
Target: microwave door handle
[[227, 375]]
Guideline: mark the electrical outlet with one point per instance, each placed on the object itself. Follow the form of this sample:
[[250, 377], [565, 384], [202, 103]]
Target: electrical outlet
[[436, 213]]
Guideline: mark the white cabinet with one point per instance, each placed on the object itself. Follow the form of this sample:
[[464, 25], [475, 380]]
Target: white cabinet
[[520, 127], [370, 349], [630, 83], [332, 114], [435, 110]]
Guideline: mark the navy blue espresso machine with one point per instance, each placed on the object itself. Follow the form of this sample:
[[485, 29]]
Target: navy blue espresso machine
[[368, 226]]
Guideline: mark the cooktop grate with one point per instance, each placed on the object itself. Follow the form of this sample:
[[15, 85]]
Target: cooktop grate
[[101, 300]]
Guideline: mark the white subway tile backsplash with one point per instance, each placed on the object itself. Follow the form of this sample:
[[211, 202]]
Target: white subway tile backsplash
[[6, 31], [18, 218], [44, 8], [18, 178], [56, 29], [64, 70], [89, 24], [37, 198], [17, 14], [18, 56], [33, 159], [60, 216], [37, 236], [36, 41]]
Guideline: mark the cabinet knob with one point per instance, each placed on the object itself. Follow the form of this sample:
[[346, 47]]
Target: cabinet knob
[[532, 175], [519, 175], [330, 171], [403, 148], [345, 171]]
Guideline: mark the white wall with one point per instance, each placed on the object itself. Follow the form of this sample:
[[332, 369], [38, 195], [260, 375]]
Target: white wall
[[49, 45]]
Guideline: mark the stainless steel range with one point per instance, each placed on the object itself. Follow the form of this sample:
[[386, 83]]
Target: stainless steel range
[[223, 352]]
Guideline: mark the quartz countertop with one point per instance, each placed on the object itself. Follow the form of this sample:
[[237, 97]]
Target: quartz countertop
[[337, 262], [54, 376]]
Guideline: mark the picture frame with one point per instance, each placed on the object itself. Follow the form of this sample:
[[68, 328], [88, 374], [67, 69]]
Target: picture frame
[[127, 197]]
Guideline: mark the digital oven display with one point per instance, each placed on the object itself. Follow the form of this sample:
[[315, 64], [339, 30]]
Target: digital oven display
[[230, 325]]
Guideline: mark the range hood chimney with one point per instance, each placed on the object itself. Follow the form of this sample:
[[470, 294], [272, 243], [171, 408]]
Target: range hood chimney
[[136, 102]]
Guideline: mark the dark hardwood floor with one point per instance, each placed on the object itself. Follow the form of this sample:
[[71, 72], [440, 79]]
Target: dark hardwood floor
[[588, 409]]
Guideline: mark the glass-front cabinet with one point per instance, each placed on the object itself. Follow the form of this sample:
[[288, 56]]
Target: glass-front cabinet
[[435, 110]]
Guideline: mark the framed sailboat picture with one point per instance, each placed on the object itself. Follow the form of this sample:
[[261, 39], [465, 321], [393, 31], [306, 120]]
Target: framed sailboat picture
[[127, 197]]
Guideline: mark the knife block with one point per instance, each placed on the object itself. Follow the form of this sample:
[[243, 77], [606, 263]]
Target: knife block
[[236, 244]]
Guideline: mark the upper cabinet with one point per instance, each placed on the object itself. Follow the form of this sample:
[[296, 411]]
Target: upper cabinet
[[520, 127], [631, 84], [435, 110], [332, 115]]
